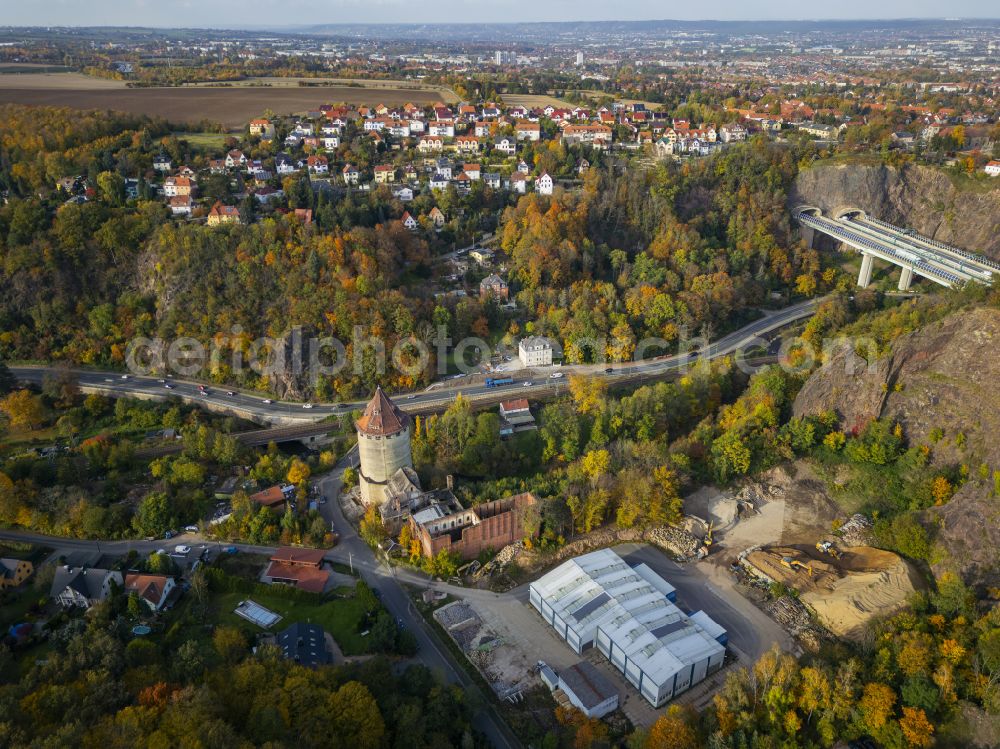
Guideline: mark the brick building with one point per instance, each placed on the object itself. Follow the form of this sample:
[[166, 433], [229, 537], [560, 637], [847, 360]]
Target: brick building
[[490, 525]]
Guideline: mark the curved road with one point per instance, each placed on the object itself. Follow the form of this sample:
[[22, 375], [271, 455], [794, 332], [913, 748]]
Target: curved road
[[440, 394], [350, 550]]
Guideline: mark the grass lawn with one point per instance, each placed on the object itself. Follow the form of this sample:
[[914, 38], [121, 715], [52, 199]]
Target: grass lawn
[[204, 141], [340, 617]]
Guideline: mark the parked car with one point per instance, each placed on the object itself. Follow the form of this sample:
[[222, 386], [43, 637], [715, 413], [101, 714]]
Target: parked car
[[169, 534], [191, 528], [555, 375], [230, 550], [182, 549]]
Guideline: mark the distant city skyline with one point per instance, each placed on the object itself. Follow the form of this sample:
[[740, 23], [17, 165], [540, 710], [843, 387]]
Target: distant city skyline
[[238, 14]]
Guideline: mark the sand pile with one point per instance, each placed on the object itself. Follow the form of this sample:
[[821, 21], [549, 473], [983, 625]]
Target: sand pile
[[845, 593]]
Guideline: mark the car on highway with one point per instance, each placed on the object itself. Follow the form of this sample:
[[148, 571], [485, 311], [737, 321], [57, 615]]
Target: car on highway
[[182, 549], [125, 377], [609, 370], [268, 401], [307, 405], [168, 386], [230, 550], [230, 393], [527, 384], [341, 405], [108, 379], [410, 397], [555, 375]]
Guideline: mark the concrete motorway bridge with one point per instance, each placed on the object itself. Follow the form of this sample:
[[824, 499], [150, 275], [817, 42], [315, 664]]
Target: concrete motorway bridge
[[914, 254]]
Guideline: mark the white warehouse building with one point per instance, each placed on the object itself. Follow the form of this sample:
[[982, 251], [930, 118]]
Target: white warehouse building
[[629, 614]]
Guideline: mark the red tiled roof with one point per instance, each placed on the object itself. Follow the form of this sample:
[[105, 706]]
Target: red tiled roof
[[311, 579], [292, 555], [381, 417], [149, 587], [269, 497]]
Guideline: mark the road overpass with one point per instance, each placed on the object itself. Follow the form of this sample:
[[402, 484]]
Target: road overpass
[[914, 254]]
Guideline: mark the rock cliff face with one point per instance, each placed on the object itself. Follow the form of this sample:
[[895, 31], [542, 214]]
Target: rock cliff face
[[944, 376], [918, 197]]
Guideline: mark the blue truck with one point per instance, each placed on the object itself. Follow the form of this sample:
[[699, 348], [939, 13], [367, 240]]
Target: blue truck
[[495, 382]]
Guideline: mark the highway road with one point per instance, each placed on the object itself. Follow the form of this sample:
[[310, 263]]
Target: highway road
[[351, 551], [439, 396]]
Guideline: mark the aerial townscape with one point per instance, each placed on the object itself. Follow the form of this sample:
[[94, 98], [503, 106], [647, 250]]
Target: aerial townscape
[[460, 375]]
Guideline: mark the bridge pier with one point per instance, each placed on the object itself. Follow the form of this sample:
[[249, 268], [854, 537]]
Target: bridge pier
[[865, 276], [905, 278]]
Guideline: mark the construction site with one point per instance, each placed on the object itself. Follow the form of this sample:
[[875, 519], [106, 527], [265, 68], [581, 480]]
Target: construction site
[[844, 587], [780, 529]]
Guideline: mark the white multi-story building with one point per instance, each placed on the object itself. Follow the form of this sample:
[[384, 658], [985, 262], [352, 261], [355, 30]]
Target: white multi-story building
[[535, 351], [628, 613]]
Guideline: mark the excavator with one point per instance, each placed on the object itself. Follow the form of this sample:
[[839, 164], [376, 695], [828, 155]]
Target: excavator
[[794, 564], [827, 547]]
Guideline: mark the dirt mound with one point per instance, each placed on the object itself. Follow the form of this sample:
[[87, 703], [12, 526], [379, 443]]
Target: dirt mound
[[845, 592]]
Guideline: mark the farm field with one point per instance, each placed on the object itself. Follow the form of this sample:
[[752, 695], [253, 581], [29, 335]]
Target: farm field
[[232, 106]]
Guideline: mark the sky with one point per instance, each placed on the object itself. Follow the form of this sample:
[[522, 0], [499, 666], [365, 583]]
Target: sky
[[287, 13]]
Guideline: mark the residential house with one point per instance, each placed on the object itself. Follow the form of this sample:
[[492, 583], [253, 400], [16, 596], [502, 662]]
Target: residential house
[[437, 216], [493, 286], [274, 497], [173, 186], [403, 194], [82, 586], [181, 205], [408, 221], [318, 164], [515, 416], [528, 131], [217, 166], [443, 167], [473, 171], [519, 183], [302, 568], [438, 182], [152, 590], [595, 135], [267, 193], [162, 163], [284, 164], [544, 184], [330, 142], [535, 351], [992, 168], [442, 129], [467, 144], [304, 644], [262, 128], [505, 145], [350, 174], [223, 214], [13, 572], [523, 168], [733, 133], [492, 179], [305, 215], [482, 255], [430, 143], [385, 173], [235, 158]]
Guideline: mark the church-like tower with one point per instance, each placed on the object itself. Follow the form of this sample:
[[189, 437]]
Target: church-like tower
[[383, 445]]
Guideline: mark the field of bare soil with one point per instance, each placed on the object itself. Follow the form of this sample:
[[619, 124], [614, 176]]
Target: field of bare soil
[[231, 106]]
